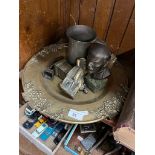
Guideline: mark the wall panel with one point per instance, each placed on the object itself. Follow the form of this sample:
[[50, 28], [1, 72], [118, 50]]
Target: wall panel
[[74, 12], [119, 22], [87, 12], [103, 13], [38, 26], [128, 41]]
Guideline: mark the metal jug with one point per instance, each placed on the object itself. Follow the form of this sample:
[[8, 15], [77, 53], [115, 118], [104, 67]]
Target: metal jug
[[80, 37]]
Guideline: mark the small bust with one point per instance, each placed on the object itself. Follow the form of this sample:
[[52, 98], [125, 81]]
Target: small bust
[[97, 61]]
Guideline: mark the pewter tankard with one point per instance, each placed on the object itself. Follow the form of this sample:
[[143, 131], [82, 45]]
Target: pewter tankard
[[80, 37]]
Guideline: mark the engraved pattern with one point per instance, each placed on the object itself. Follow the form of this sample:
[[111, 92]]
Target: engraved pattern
[[43, 53], [33, 60], [46, 50], [52, 48], [36, 96], [56, 47], [40, 103], [110, 108], [57, 115]]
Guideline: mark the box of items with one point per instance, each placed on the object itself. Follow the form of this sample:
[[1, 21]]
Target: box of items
[[86, 138], [46, 134]]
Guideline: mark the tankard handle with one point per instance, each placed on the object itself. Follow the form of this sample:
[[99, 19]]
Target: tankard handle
[[99, 41]]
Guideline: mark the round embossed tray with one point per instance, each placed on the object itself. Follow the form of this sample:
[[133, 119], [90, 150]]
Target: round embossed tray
[[47, 97]]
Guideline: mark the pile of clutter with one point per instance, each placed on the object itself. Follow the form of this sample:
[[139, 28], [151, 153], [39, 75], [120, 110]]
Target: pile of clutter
[[44, 126], [91, 73], [82, 139], [87, 64]]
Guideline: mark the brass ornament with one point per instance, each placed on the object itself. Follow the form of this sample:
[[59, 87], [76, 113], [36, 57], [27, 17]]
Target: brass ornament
[[47, 97]]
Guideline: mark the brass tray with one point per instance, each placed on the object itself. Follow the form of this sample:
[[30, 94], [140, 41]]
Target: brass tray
[[46, 96]]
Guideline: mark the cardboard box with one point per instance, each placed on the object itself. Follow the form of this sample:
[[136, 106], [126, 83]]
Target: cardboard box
[[125, 129], [75, 138]]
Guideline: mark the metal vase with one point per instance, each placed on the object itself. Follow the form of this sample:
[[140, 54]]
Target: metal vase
[[80, 37]]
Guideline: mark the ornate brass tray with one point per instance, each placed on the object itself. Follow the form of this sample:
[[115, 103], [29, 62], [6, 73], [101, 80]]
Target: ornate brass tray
[[46, 96]]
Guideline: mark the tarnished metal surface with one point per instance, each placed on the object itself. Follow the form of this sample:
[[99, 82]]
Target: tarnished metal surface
[[47, 97], [61, 68], [73, 81], [80, 37]]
